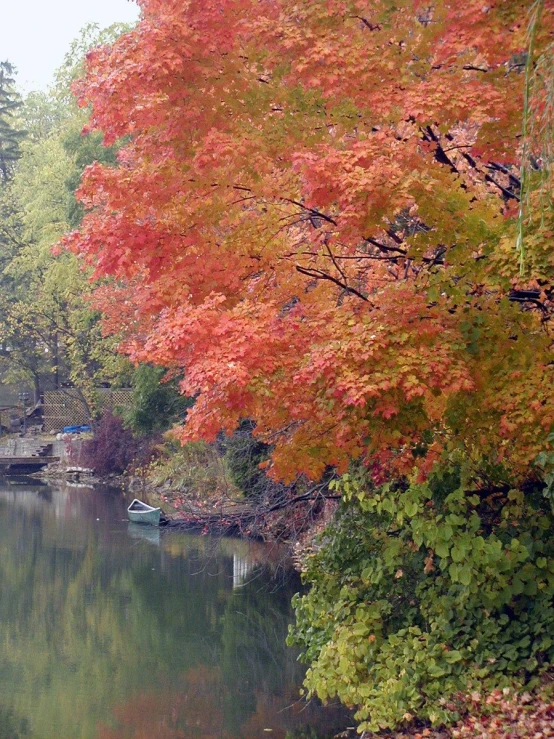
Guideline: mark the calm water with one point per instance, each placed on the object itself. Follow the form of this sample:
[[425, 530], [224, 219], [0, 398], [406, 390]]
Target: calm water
[[111, 630]]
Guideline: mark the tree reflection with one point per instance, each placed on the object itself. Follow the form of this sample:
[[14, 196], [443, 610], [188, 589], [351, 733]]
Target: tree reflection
[[191, 712], [12, 726], [199, 709], [104, 630]]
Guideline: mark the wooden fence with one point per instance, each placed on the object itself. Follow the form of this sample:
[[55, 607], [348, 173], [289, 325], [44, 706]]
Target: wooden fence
[[66, 407]]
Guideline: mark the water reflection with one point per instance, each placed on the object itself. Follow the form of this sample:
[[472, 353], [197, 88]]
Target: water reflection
[[113, 630], [144, 533]]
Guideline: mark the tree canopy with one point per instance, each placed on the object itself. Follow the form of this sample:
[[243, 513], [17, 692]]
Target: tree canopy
[[49, 332], [317, 215]]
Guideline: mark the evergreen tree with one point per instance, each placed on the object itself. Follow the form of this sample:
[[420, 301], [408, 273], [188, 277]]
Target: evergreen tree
[[10, 133]]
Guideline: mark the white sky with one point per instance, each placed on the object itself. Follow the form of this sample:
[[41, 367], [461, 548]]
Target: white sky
[[36, 34]]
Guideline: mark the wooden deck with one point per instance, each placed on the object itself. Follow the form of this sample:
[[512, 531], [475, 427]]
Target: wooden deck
[[13, 461]]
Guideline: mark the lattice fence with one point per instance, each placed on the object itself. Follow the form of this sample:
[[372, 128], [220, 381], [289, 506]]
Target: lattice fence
[[66, 407]]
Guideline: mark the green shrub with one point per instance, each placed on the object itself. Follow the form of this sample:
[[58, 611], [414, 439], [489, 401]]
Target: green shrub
[[422, 594], [243, 454], [157, 404], [196, 469]]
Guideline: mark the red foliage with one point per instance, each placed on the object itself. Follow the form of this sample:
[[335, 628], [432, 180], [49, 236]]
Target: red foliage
[[312, 219], [505, 714], [113, 448], [498, 715]]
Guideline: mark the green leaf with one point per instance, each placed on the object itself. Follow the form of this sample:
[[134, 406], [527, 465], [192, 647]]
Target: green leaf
[[452, 656], [465, 575]]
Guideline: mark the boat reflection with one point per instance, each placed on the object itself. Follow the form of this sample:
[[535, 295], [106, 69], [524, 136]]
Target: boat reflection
[[151, 534]]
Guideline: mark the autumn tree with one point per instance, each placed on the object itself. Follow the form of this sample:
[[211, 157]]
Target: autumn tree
[[335, 218], [320, 227]]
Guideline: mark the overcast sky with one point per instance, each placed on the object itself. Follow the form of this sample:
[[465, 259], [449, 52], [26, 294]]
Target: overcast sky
[[35, 34]]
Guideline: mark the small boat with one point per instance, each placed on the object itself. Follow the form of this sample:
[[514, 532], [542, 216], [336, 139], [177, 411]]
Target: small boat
[[140, 512]]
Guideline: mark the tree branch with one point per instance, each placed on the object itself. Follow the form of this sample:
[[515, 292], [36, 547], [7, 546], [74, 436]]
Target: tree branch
[[313, 211], [319, 275]]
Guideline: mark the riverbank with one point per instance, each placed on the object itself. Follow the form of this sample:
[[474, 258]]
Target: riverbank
[[501, 714], [218, 489], [145, 631], [218, 516], [497, 715]]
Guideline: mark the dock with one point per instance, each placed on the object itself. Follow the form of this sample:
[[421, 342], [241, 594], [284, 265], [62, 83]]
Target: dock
[[24, 452], [6, 462]]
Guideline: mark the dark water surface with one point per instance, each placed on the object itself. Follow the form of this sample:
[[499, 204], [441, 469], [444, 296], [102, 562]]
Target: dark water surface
[[112, 630]]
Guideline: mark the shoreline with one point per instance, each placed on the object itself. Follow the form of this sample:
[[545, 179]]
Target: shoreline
[[189, 518]]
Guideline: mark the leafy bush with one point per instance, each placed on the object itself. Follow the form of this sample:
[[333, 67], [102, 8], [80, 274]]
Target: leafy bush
[[157, 404], [422, 594], [113, 448], [243, 454], [196, 467]]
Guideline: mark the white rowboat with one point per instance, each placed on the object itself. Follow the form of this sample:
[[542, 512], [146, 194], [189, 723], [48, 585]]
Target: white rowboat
[[140, 512]]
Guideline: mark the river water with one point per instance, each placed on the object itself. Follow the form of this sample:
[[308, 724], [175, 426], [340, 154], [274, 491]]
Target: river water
[[113, 630]]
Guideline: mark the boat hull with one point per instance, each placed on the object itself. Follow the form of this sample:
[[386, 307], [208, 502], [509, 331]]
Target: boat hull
[[139, 512], [150, 517]]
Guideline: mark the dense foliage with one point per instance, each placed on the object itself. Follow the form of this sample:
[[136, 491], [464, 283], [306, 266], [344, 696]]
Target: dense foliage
[[422, 594], [11, 132], [315, 217], [335, 219], [156, 404], [114, 449], [244, 454], [49, 332]]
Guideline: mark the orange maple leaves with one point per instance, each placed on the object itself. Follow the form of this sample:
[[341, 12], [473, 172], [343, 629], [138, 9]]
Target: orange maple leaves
[[303, 217]]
